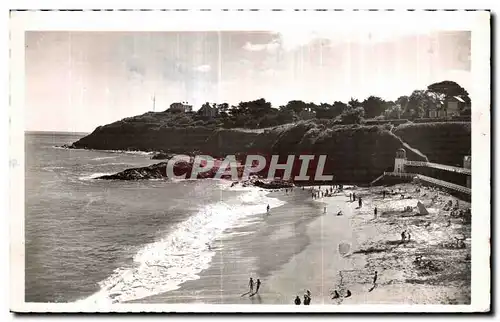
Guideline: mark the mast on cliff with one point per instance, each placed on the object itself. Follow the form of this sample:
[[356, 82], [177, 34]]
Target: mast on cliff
[[154, 101]]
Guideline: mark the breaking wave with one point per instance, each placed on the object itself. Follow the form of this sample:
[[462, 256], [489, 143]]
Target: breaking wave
[[163, 265]]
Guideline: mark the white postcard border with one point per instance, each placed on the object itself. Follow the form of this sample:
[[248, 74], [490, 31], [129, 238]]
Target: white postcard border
[[478, 22]]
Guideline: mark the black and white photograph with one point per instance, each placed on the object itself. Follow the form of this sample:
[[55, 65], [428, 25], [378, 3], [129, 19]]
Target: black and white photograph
[[250, 161]]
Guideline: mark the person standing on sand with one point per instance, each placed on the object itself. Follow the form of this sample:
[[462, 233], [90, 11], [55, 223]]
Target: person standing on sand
[[268, 208], [353, 196], [250, 284], [360, 202], [383, 194], [297, 300], [374, 282], [258, 286], [375, 212]]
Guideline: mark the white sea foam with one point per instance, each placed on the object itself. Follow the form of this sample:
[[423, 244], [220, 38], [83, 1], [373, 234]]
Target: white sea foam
[[107, 151], [107, 164], [52, 169], [103, 158], [179, 257], [94, 175]]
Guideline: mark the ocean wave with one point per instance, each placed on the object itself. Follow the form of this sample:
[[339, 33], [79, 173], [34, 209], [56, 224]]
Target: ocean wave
[[179, 257], [103, 158], [107, 151], [107, 164], [52, 169]]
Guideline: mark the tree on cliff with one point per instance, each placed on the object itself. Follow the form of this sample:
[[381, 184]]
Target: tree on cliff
[[249, 114], [223, 109], [393, 112], [327, 111], [352, 115], [421, 102], [354, 103], [449, 89], [403, 102], [374, 106], [296, 106]]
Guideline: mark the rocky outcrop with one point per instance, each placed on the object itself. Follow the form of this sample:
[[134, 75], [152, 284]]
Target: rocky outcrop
[[354, 153], [161, 156], [159, 171], [155, 171], [273, 184]]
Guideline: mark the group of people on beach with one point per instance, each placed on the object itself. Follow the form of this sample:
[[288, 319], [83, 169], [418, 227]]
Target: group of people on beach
[[335, 294], [307, 299], [405, 236], [316, 194], [251, 285], [352, 198]]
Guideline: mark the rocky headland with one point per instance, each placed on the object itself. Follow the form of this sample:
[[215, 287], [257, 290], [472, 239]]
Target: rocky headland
[[356, 153]]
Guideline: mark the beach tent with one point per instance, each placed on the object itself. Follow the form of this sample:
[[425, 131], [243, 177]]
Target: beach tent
[[421, 209]]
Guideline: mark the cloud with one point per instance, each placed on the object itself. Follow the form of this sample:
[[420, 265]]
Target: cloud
[[203, 68], [272, 46]]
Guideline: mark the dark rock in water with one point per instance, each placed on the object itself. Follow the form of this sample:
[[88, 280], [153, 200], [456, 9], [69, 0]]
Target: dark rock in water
[[155, 171], [274, 184], [159, 171], [162, 156], [67, 146]]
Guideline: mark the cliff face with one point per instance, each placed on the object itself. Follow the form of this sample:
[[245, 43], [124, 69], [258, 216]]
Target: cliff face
[[441, 142], [355, 154]]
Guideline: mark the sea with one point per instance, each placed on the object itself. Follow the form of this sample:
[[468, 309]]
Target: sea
[[99, 241]]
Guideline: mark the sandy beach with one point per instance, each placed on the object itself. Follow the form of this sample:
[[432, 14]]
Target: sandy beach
[[296, 248]]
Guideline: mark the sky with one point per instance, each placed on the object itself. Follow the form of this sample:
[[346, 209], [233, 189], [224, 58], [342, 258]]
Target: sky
[[87, 79]]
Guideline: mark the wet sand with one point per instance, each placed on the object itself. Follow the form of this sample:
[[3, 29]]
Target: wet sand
[[256, 250], [296, 248]]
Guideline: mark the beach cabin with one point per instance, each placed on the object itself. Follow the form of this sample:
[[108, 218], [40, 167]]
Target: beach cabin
[[467, 165], [399, 161]]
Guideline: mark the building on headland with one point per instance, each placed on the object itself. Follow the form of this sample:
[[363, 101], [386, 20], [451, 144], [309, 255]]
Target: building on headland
[[307, 114], [451, 107], [208, 110], [454, 105], [181, 107]]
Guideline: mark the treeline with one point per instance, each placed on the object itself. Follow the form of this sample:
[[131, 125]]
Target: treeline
[[261, 114]]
